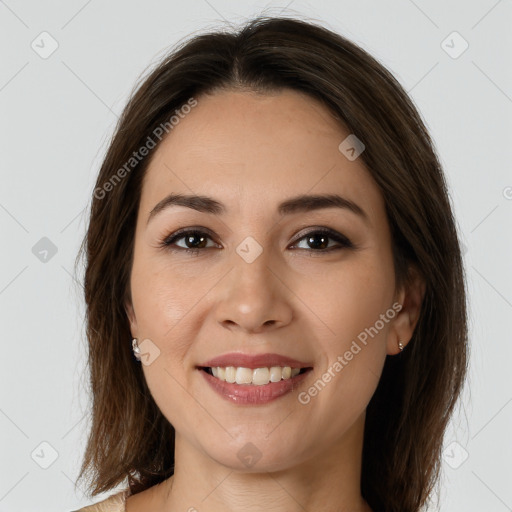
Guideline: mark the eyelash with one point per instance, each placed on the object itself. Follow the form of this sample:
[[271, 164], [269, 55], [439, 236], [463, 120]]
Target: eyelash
[[344, 242]]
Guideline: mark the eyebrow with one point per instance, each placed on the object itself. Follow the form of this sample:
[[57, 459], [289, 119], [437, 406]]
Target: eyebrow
[[302, 203]]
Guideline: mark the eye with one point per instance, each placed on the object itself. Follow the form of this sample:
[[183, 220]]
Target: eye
[[196, 240], [319, 240]]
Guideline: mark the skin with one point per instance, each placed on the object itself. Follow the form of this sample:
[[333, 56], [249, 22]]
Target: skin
[[250, 152]]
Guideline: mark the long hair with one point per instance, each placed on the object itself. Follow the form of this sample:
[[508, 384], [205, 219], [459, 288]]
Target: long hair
[[409, 411]]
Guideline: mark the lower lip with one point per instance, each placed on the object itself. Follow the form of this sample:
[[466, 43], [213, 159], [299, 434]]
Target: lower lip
[[250, 394]]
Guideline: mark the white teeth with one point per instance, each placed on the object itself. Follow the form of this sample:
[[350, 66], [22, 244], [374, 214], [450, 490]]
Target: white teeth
[[230, 374], [260, 376], [243, 375], [257, 376], [275, 374]]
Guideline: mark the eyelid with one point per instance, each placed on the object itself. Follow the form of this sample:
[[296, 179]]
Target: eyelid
[[343, 241], [182, 232], [323, 230], [188, 229]]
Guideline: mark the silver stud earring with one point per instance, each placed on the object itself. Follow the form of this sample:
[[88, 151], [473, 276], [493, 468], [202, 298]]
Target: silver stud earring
[[136, 349], [400, 345]]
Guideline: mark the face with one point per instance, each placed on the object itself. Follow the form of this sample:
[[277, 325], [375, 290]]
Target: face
[[313, 284]]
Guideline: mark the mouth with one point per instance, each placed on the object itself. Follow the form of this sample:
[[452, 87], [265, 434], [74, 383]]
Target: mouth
[[253, 386], [263, 376]]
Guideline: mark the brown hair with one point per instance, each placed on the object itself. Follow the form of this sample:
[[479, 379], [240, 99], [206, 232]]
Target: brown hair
[[407, 416]]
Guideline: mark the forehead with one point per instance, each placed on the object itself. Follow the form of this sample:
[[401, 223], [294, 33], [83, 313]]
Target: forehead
[[247, 148]]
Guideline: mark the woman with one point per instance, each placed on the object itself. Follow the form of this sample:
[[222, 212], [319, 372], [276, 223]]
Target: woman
[[271, 234]]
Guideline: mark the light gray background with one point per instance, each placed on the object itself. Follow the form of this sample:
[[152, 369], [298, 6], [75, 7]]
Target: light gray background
[[56, 116]]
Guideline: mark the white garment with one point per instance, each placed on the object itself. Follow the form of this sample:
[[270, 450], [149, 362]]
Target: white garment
[[114, 503]]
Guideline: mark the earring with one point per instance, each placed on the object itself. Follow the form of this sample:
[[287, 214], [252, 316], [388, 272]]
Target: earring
[[136, 349], [400, 345]]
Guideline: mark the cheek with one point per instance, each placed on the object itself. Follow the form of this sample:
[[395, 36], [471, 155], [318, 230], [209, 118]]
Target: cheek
[[350, 298], [352, 305], [160, 299], [167, 387], [161, 310], [355, 305]]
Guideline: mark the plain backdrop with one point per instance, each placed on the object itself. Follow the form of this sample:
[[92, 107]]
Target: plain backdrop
[[66, 71]]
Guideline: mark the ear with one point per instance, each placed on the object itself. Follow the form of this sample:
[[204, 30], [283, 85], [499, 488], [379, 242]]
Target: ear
[[411, 298], [130, 313]]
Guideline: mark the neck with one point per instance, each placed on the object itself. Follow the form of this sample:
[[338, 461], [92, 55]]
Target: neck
[[327, 481]]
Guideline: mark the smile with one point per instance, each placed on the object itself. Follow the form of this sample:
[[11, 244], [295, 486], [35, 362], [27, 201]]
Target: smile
[[253, 386], [256, 377]]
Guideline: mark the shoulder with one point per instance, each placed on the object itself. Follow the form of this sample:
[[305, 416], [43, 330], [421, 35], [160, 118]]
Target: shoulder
[[114, 503]]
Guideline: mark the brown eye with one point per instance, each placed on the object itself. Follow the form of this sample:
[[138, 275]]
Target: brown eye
[[318, 241], [194, 241]]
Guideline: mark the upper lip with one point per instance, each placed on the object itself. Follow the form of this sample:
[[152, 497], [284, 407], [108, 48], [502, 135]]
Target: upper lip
[[252, 361]]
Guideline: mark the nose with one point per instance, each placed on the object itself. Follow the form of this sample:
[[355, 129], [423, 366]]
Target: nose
[[253, 297]]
